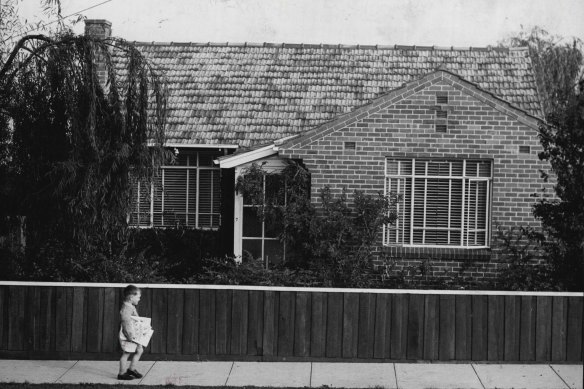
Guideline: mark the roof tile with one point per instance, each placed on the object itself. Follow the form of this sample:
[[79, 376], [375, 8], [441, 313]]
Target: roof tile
[[249, 94]]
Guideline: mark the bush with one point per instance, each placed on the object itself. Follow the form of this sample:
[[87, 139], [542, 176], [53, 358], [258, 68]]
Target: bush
[[528, 268], [562, 140], [342, 237], [335, 240], [150, 256], [228, 271], [177, 252]]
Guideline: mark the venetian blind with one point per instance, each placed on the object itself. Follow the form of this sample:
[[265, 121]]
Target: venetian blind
[[443, 202], [185, 194]]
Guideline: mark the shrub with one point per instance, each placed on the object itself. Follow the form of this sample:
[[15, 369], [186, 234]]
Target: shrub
[[228, 271], [336, 240], [150, 256], [527, 268], [342, 237]]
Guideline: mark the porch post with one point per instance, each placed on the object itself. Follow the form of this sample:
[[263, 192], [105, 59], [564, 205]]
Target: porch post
[[237, 220]]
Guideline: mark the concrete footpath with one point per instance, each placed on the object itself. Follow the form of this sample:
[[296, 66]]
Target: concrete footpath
[[302, 374]]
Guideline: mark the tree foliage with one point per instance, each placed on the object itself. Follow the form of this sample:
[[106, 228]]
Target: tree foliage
[[13, 26], [562, 138], [70, 139], [557, 64], [558, 67]]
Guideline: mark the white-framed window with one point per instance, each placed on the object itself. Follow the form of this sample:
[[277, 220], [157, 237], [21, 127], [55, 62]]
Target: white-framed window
[[444, 203], [260, 237], [186, 194]]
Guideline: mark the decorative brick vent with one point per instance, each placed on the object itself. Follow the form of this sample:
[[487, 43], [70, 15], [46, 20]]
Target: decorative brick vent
[[440, 114], [442, 98], [441, 123], [350, 145], [443, 128]]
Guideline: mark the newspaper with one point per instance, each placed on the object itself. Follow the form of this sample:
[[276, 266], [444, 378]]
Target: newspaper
[[141, 329]]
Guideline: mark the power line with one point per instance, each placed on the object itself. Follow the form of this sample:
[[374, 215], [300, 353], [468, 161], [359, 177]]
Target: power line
[[55, 21]]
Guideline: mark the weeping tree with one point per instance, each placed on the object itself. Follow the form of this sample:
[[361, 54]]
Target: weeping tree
[[557, 65], [72, 141]]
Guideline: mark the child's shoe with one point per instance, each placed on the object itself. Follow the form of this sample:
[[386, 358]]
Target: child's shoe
[[134, 373], [125, 376]]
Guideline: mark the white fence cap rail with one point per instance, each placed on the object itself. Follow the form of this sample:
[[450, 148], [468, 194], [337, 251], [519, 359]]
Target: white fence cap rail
[[295, 289]]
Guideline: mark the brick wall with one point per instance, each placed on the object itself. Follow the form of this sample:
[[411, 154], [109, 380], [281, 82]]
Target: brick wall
[[402, 124], [437, 272]]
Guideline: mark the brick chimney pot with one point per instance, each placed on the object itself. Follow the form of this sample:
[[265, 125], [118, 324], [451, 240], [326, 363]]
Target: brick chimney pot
[[98, 28]]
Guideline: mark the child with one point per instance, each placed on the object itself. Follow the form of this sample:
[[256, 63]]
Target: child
[[131, 299]]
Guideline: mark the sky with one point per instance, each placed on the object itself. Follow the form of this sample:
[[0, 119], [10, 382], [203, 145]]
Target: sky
[[459, 23]]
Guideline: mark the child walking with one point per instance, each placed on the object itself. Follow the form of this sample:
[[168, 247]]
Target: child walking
[[132, 296]]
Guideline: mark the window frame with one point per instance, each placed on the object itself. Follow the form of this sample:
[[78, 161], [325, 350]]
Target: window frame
[[465, 210], [263, 238], [196, 214]]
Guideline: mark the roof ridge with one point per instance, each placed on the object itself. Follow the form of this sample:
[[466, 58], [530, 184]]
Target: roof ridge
[[331, 46]]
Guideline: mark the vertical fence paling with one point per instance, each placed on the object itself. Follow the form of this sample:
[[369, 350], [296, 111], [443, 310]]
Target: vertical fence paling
[[279, 323], [319, 315], [447, 328], [367, 311], [574, 328]]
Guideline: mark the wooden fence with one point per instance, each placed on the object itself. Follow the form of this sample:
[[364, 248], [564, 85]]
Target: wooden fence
[[192, 322]]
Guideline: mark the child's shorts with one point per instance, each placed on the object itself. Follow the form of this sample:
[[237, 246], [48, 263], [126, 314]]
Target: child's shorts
[[127, 345]]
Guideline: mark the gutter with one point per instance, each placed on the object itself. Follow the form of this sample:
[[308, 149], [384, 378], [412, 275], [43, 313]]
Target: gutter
[[231, 161]]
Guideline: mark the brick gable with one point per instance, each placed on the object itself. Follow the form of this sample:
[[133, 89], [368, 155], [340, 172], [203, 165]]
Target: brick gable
[[402, 124]]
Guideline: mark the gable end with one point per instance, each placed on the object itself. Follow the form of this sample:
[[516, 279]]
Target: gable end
[[403, 93]]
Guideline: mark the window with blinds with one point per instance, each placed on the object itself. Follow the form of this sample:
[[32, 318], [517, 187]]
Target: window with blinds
[[187, 194], [444, 203]]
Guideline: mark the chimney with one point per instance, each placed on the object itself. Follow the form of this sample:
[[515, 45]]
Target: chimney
[[99, 29]]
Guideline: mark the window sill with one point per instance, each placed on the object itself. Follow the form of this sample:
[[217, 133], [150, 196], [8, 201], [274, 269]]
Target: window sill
[[454, 253], [174, 228]]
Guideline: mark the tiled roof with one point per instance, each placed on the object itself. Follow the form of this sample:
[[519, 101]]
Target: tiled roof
[[441, 77], [251, 94]]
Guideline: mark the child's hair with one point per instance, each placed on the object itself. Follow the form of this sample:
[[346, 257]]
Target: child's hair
[[130, 290]]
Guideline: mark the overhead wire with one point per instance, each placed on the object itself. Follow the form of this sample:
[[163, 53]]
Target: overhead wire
[[57, 20]]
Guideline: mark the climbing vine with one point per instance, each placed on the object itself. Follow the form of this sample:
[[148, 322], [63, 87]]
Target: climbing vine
[[338, 238], [282, 199]]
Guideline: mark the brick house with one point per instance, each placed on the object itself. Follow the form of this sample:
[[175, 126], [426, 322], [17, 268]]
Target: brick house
[[454, 130]]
